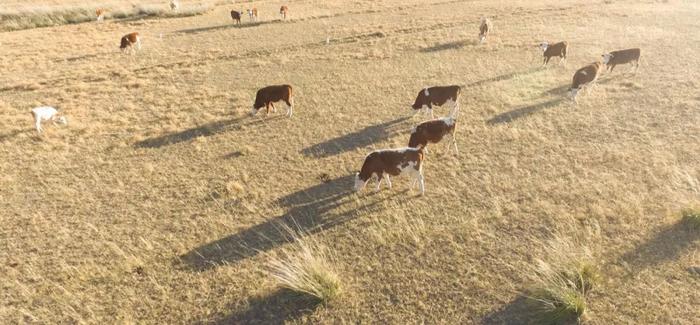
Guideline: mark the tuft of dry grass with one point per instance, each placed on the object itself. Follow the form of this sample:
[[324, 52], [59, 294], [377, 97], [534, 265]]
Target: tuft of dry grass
[[45, 16], [562, 283], [691, 217], [305, 268]]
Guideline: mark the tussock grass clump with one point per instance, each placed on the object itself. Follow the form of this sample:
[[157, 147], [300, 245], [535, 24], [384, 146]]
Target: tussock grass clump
[[305, 268], [45, 16], [562, 283], [691, 217]]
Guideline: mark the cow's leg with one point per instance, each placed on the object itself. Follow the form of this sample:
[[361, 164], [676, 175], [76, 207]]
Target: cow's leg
[[290, 107], [430, 109], [379, 182], [274, 109], [37, 124], [267, 109], [388, 181], [546, 60], [452, 143], [421, 183], [612, 67]]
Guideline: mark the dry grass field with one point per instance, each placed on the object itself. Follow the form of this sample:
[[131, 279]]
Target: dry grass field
[[163, 202]]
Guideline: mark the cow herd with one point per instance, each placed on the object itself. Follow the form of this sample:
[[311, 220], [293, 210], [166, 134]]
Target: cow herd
[[381, 164]]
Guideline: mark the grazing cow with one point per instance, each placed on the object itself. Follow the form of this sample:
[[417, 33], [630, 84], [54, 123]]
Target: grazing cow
[[556, 49], [174, 4], [394, 162], [584, 77], [46, 113], [100, 14], [236, 15], [438, 95], [484, 29], [269, 95], [284, 10], [432, 132], [253, 14], [622, 57], [131, 42]]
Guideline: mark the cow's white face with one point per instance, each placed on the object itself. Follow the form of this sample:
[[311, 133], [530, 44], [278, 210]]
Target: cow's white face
[[544, 46], [253, 111], [359, 183], [62, 120], [573, 93], [606, 58]]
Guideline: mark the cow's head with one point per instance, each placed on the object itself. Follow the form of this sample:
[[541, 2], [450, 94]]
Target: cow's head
[[359, 182], [62, 120], [607, 57], [543, 46]]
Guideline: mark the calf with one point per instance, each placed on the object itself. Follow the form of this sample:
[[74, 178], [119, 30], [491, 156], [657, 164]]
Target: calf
[[394, 162], [253, 14], [271, 94], [46, 113], [439, 96], [236, 15], [432, 132], [131, 42], [556, 49], [174, 4], [484, 29], [622, 57], [100, 13], [283, 12], [584, 77]]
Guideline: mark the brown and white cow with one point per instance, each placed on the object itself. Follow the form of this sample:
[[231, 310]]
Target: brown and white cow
[[284, 10], [439, 96], [131, 41], [391, 162], [556, 49], [622, 57], [484, 29], [100, 13], [253, 14], [432, 132], [584, 77], [236, 16], [269, 95], [174, 4]]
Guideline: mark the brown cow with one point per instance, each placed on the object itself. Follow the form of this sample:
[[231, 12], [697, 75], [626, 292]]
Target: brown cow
[[253, 14], [394, 162], [174, 4], [484, 29], [438, 95], [622, 57], [269, 95], [432, 132], [556, 49], [236, 15], [100, 13], [131, 42], [584, 77], [284, 10]]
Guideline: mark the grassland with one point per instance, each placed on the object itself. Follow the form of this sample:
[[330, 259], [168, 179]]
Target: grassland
[[162, 201]]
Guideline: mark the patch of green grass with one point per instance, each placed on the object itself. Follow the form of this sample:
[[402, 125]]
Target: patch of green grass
[[691, 217]]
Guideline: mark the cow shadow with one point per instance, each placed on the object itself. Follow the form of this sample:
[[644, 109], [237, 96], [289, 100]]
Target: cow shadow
[[447, 46], [667, 245], [226, 26], [358, 139], [517, 311], [503, 77], [12, 134], [279, 307], [522, 112], [205, 130], [310, 211]]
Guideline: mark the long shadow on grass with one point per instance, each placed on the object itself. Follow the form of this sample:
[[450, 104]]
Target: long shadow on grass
[[521, 112], [353, 140], [517, 311], [205, 130], [667, 245], [503, 77], [277, 308], [447, 46], [310, 211], [226, 26]]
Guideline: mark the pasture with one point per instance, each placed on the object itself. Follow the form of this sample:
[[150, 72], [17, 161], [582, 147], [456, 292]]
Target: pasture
[[164, 202]]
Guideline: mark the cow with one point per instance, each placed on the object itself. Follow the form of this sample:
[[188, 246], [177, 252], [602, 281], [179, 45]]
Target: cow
[[622, 57], [584, 77], [47, 113], [174, 4], [267, 96], [439, 96], [236, 16], [484, 29], [131, 41], [556, 49], [100, 13], [432, 132], [383, 163], [284, 10], [253, 14]]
